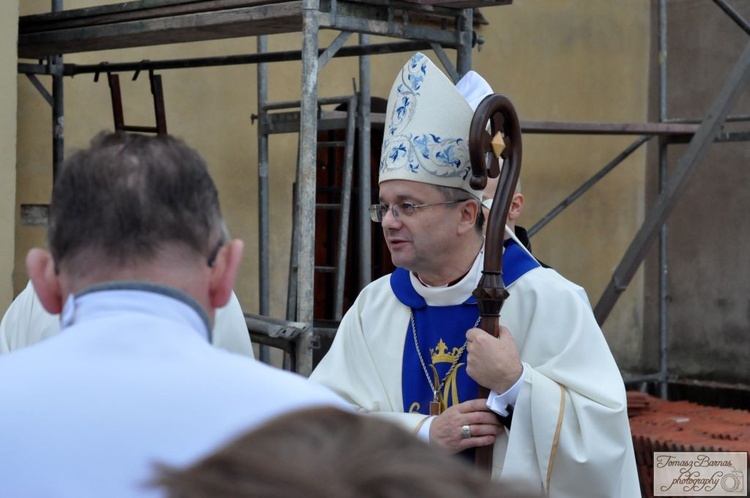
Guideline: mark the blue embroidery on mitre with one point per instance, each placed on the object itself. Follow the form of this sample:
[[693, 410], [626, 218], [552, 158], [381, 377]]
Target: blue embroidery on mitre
[[442, 157], [412, 76]]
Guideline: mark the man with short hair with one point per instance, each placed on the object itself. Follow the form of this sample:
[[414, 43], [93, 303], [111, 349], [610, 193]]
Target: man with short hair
[[139, 261], [409, 348]]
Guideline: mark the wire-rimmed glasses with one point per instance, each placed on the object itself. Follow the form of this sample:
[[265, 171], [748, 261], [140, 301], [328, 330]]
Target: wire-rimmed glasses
[[378, 211]]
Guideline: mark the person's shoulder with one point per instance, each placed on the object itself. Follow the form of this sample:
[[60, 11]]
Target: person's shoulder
[[244, 369], [545, 279], [270, 382], [553, 275], [26, 322], [230, 329], [380, 282], [377, 287]]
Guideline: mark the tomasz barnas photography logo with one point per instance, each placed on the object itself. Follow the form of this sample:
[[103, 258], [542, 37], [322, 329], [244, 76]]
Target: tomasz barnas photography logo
[[700, 473]]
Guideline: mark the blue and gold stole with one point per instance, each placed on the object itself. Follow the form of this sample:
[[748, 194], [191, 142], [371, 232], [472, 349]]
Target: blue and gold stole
[[441, 331]]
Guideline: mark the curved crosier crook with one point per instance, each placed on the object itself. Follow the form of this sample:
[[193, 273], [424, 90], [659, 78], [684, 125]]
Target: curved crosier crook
[[495, 132]]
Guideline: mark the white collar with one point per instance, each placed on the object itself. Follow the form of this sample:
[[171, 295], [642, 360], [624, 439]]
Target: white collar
[[457, 293]]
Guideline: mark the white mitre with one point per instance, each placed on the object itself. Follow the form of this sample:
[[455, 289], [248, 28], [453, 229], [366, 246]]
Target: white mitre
[[474, 89], [427, 126]]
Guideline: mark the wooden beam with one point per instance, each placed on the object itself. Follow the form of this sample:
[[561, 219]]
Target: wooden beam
[[461, 4], [128, 11], [230, 23], [158, 22]]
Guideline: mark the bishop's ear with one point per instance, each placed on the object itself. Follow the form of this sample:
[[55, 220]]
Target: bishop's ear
[[46, 282], [469, 213]]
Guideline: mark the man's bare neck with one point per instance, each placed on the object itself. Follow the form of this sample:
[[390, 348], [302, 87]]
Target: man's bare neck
[[455, 270]]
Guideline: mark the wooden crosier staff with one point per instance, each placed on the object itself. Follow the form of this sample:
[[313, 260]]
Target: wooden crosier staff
[[486, 146]]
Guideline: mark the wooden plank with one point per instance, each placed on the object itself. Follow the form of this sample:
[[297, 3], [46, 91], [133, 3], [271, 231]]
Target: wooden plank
[[231, 23], [128, 11], [156, 22], [150, 9], [461, 4], [414, 29]]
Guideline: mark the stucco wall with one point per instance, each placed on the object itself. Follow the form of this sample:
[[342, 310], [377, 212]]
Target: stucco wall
[[556, 59], [8, 39], [708, 232]]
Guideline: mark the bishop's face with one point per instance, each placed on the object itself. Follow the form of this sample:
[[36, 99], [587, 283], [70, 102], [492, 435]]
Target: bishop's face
[[423, 241]]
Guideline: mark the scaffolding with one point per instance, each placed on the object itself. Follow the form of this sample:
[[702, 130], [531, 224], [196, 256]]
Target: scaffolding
[[417, 25], [420, 25]]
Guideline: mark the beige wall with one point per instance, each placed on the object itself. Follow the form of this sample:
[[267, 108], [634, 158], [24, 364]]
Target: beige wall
[[556, 59], [8, 60], [572, 60]]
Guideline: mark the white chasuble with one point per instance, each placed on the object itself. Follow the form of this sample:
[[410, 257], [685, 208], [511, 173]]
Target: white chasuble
[[570, 435]]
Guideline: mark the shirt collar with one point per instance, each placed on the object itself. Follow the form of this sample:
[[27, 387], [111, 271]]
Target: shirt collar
[[143, 297]]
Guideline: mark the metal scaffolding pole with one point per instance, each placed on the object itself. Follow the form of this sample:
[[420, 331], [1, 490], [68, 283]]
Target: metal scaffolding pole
[[306, 182], [58, 106], [346, 197], [663, 305], [227, 60], [263, 196], [465, 35], [734, 15], [364, 124]]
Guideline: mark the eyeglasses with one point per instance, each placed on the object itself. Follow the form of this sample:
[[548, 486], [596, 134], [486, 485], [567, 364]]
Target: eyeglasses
[[378, 211]]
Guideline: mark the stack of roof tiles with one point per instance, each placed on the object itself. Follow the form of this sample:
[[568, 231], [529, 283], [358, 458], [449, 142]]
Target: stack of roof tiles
[[661, 425]]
